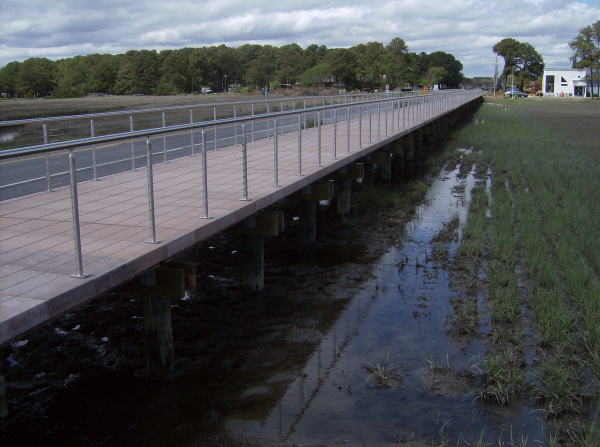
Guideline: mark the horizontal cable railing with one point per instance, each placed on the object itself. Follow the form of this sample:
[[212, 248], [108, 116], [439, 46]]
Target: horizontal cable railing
[[31, 131], [192, 171]]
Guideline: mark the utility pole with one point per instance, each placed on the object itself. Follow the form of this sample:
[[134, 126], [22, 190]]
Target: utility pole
[[512, 80], [496, 75]]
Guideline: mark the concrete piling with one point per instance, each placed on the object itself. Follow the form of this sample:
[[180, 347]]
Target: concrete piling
[[158, 334], [343, 197], [254, 252], [369, 175], [307, 235], [386, 167], [3, 399]]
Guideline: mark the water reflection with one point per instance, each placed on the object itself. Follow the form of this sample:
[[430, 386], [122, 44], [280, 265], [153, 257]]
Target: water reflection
[[401, 310]]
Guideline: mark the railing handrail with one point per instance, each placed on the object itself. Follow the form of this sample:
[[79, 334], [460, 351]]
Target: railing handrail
[[19, 122], [71, 144]]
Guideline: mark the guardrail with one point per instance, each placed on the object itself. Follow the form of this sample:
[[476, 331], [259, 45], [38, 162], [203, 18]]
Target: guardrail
[[361, 119], [31, 131]]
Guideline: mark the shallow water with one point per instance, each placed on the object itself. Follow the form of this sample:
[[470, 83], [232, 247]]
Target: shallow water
[[400, 313]]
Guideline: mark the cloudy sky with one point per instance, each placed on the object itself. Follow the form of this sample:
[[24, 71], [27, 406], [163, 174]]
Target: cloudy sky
[[466, 28]]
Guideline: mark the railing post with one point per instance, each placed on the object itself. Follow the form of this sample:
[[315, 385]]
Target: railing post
[[348, 128], [47, 158], [150, 193], [335, 115], [299, 145], [75, 210], [319, 132], [93, 150], [378, 121], [252, 124], [275, 157], [359, 108], [205, 176], [245, 163], [164, 139], [132, 143], [386, 117], [370, 122], [393, 114], [235, 126], [191, 117], [192, 141]]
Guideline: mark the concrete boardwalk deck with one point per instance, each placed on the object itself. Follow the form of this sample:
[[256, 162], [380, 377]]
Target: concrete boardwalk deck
[[36, 231]]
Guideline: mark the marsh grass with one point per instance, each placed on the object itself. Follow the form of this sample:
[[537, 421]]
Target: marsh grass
[[502, 377], [545, 159], [382, 375]]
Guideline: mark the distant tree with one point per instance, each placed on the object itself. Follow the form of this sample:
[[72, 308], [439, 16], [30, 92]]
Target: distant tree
[[520, 57], [316, 75], [452, 76], [35, 77], [342, 64], [509, 49], [396, 62], [530, 63], [9, 75], [289, 61], [586, 47], [263, 68], [138, 73], [434, 75]]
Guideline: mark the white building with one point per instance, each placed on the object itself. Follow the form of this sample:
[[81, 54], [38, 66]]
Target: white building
[[567, 82]]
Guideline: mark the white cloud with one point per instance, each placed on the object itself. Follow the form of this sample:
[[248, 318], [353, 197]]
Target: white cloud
[[467, 29]]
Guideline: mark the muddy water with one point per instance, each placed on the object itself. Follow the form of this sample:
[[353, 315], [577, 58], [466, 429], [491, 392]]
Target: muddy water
[[399, 315]]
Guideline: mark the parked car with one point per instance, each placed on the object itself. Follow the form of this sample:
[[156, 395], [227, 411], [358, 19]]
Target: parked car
[[206, 90], [514, 92]]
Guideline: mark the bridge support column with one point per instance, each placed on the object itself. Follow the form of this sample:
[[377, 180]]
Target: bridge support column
[[386, 167], [369, 175], [409, 148], [369, 161], [253, 230], [3, 400], [308, 222], [344, 177], [308, 197], [397, 151], [425, 131], [418, 140], [343, 196], [254, 253], [158, 334], [156, 287]]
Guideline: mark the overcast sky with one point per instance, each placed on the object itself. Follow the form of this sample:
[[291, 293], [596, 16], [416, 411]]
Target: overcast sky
[[468, 29]]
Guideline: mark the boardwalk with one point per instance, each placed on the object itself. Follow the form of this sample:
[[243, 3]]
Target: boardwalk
[[36, 231]]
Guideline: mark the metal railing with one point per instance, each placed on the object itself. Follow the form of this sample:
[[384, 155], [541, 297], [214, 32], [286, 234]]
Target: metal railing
[[30, 131], [405, 112]]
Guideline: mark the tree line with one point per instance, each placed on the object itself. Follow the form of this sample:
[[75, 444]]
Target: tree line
[[169, 72]]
